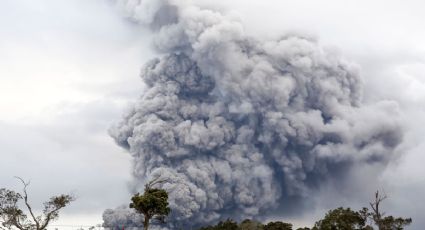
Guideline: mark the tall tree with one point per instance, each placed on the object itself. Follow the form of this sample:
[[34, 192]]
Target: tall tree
[[153, 203], [11, 215], [385, 222]]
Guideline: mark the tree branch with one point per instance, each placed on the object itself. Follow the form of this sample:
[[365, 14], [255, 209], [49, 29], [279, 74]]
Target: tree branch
[[155, 181], [26, 201], [16, 222], [375, 207], [49, 218]]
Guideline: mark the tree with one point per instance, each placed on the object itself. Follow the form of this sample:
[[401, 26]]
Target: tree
[[229, 224], [342, 219], [153, 203], [347, 219], [12, 215], [384, 222], [250, 225], [278, 225]]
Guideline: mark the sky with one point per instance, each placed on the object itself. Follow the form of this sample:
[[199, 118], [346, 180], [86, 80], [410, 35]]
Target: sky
[[69, 69]]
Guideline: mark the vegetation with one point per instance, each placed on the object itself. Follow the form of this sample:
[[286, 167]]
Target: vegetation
[[250, 225], [247, 224], [229, 224], [12, 216], [342, 218], [153, 203], [379, 219], [278, 226], [336, 219]]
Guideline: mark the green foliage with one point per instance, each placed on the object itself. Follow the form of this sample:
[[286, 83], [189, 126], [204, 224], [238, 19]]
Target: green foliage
[[278, 226], [250, 225], [336, 219], [9, 210], [347, 219], [247, 224], [391, 223], [153, 203], [341, 219], [12, 216], [229, 224]]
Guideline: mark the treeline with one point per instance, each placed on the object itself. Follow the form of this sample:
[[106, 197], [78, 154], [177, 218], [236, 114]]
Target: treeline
[[337, 219], [153, 203], [248, 224]]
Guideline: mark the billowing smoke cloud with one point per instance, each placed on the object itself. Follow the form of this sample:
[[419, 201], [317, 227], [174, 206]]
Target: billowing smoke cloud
[[122, 217], [241, 126]]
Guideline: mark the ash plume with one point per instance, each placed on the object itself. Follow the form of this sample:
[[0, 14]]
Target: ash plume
[[122, 217], [242, 126]]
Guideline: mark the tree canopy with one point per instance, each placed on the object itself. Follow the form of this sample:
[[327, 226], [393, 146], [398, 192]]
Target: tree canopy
[[153, 203], [278, 226], [12, 215], [341, 218], [347, 219], [247, 224], [336, 219]]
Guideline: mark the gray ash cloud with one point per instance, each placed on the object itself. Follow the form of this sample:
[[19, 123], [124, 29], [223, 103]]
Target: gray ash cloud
[[242, 126]]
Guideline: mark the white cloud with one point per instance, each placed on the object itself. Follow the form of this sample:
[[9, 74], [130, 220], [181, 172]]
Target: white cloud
[[68, 70]]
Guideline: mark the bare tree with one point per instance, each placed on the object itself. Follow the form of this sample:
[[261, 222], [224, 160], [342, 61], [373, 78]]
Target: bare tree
[[385, 222], [11, 215], [376, 213]]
